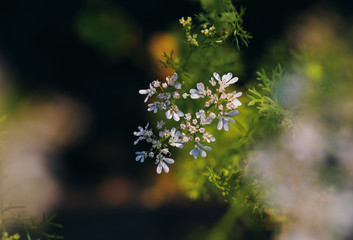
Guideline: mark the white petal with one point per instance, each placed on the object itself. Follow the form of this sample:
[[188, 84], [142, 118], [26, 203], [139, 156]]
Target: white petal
[[216, 75], [144, 91], [168, 114], [200, 86], [169, 160], [225, 78], [233, 113], [194, 152], [229, 119], [176, 117], [180, 114], [226, 125], [194, 96], [207, 148], [159, 168], [179, 145], [237, 94], [174, 77], [138, 157], [203, 153], [172, 132], [165, 167], [236, 102], [233, 80], [220, 124], [146, 98]]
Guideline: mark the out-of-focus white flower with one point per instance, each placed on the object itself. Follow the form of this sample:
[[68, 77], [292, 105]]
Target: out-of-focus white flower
[[162, 164], [160, 124], [188, 116], [213, 82], [174, 113], [172, 80], [150, 92], [199, 149], [199, 93], [185, 95], [174, 139], [224, 119], [141, 156]]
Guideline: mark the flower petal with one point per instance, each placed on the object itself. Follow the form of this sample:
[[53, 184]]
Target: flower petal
[[229, 119], [169, 160], [144, 91], [216, 75], [176, 117], [226, 78], [233, 80], [207, 148], [168, 114], [194, 153], [165, 167], [233, 113], [203, 153], [159, 168], [174, 77], [226, 125], [220, 124], [200, 86]]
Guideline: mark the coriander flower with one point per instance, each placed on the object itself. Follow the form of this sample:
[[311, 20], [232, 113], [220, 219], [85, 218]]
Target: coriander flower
[[174, 113], [223, 119], [174, 139], [200, 92], [160, 124], [200, 149], [153, 107], [142, 133], [141, 156], [150, 92], [226, 80], [162, 163], [208, 137], [172, 80]]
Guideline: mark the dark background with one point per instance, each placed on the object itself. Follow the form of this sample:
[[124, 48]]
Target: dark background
[[40, 45]]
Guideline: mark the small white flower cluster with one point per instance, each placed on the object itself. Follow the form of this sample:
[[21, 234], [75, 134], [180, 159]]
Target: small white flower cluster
[[219, 104]]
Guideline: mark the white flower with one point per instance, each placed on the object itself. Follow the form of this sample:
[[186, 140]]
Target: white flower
[[174, 113], [160, 124], [153, 107], [162, 164], [188, 116], [178, 85], [141, 156], [172, 80], [185, 95], [208, 137], [165, 151], [200, 92], [200, 149], [174, 139], [226, 80], [156, 83], [236, 103], [142, 133], [223, 119], [213, 82], [156, 144], [150, 92]]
